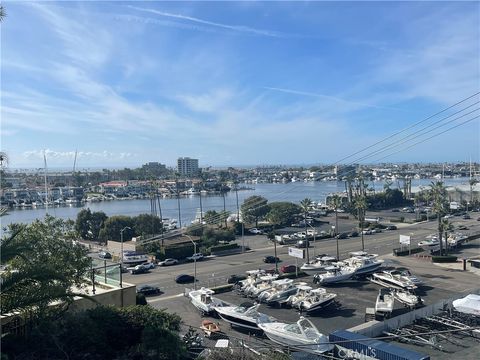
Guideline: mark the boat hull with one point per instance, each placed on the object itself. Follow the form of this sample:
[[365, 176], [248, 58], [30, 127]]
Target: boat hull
[[240, 322]]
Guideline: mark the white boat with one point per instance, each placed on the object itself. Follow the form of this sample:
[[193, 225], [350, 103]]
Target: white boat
[[334, 274], [280, 291], [431, 243], [203, 300], [407, 298], [399, 279], [385, 301], [296, 299], [316, 300], [132, 257], [456, 239], [264, 284], [245, 316], [302, 335], [318, 266], [469, 304], [364, 264], [252, 277]]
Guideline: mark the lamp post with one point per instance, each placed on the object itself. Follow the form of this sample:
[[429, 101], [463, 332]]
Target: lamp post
[[121, 246], [194, 261], [314, 238]]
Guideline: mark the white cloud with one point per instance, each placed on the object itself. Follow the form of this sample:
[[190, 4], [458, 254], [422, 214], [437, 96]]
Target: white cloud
[[61, 156]]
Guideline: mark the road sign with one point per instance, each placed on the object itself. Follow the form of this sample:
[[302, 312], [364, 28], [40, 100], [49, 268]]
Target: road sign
[[298, 253], [404, 239]]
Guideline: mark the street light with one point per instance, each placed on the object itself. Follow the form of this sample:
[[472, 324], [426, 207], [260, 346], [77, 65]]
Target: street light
[[194, 261], [121, 246]]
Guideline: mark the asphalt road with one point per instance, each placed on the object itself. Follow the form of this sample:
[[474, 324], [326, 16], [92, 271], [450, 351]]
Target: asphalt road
[[215, 271]]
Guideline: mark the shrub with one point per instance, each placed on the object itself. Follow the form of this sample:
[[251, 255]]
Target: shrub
[[223, 247], [402, 252], [444, 259]]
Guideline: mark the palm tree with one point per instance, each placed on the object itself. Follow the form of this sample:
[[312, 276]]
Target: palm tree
[[271, 237], [336, 202], [439, 206], [361, 206], [3, 159], [472, 182], [306, 205], [2, 13], [446, 227]]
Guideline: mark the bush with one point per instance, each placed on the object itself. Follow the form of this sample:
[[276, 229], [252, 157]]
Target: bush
[[141, 300], [398, 220], [444, 259], [401, 252], [223, 247], [179, 252]]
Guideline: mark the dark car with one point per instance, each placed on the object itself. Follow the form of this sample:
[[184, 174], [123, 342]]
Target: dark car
[[270, 259], [288, 268], [466, 217], [342, 236], [233, 279], [184, 278], [302, 244], [104, 255], [391, 227], [148, 290], [139, 269], [270, 271], [353, 234]]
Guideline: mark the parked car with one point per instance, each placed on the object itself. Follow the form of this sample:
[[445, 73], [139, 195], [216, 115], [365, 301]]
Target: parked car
[[270, 259], [233, 279], [184, 278], [353, 234], [342, 236], [255, 231], [104, 255], [168, 262], [148, 290], [270, 271], [139, 269], [466, 217], [288, 268], [391, 227], [376, 231], [462, 227], [197, 257], [149, 265], [367, 232], [448, 216]]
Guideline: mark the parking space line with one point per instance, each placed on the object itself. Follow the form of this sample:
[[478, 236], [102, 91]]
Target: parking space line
[[165, 298]]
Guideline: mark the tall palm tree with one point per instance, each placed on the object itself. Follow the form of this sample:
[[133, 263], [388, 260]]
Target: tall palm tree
[[361, 206], [306, 205], [3, 159], [336, 202], [472, 182], [439, 206], [446, 227], [2, 13]]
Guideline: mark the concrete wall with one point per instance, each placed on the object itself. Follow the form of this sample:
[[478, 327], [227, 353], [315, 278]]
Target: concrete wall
[[115, 296], [115, 247]]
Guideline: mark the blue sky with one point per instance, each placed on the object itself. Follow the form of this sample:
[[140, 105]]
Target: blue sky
[[233, 82]]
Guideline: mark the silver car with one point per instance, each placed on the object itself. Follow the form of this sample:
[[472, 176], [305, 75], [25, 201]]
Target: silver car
[[168, 262]]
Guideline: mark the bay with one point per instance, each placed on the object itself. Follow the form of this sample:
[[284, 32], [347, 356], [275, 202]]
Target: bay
[[292, 192]]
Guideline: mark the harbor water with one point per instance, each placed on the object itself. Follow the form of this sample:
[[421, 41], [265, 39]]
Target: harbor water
[[190, 205]]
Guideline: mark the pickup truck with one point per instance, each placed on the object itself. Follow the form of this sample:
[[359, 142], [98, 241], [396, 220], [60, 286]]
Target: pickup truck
[[197, 257]]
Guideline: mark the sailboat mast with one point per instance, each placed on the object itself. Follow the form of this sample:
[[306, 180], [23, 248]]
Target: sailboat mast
[[46, 188]]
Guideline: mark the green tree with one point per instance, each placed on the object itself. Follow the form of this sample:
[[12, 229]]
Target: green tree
[[210, 217], [44, 265], [113, 225], [438, 194], [254, 208], [88, 224], [147, 224], [282, 213], [134, 332]]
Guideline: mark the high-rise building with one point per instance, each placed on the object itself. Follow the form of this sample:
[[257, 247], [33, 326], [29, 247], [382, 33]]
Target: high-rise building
[[187, 166]]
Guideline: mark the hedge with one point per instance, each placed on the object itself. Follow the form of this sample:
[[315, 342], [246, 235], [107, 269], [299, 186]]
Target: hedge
[[402, 252], [223, 247], [179, 252], [398, 220], [222, 288], [444, 259]]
